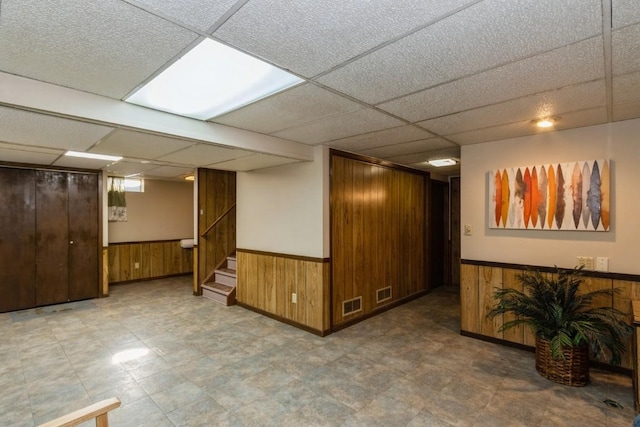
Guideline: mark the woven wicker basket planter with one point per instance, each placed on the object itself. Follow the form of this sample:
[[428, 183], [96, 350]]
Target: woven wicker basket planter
[[573, 370]]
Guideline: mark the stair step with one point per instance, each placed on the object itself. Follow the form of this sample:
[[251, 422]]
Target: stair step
[[219, 288], [227, 271], [219, 293], [225, 276], [231, 263]]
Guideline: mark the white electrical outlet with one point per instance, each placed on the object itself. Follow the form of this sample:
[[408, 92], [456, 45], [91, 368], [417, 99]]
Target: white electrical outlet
[[294, 298], [136, 265], [602, 264]]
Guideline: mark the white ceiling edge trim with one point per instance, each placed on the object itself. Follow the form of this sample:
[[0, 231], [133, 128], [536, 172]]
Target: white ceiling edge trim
[[48, 98]]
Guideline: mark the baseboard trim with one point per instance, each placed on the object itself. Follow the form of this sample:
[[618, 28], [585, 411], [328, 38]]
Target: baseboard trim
[[320, 333], [380, 310]]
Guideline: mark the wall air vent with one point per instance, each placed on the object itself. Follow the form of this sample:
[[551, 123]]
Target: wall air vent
[[383, 294], [351, 306]]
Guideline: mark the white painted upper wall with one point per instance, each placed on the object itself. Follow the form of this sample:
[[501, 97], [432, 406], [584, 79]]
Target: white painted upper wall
[[285, 209], [616, 141], [164, 211]]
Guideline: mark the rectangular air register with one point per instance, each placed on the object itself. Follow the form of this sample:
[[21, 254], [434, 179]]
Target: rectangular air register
[[383, 294], [351, 306]]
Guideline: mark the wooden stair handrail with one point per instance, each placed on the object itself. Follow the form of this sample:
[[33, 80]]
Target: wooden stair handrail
[[225, 213], [97, 410]]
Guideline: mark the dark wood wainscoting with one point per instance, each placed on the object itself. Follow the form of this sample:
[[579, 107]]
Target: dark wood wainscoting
[[148, 260], [378, 235], [481, 278], [267, 281]]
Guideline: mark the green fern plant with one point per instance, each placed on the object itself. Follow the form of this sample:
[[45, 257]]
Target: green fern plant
[[555, 311]]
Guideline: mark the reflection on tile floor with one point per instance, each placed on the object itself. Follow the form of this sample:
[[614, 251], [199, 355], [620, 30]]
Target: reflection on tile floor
[[179, 360]]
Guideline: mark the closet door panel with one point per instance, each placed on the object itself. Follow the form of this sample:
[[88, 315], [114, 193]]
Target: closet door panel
[[83, 232], [52, 244], [17, 239]]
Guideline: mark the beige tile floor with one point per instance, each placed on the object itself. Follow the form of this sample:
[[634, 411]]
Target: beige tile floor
[[179, 360]]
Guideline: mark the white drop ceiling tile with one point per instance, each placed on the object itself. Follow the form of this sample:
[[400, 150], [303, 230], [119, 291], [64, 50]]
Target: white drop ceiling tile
[[311, 37], [31, 157], [556, 102], [168, 172], [624, 12], [625, 54], [204, 154], [129, 168], [81, 163], [418, 158], [51, 151], [128, 143], [201, 14], [105, 47], [568, 121], [565, 66], [496, 133], [441, 174], [380, 138], [410, 159], [489, 33], [342, 126], [408, 148], [626, 88], [626, 111], [295, 107], [24, 127], [253, 162]]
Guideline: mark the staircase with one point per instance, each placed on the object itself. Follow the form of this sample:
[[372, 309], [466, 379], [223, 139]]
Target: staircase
[[222, 289]]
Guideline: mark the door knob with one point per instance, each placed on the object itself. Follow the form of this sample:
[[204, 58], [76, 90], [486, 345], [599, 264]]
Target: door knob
[[71, 242]]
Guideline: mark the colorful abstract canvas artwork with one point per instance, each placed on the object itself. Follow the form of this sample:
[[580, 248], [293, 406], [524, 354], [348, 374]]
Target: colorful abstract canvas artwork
[[563, 196]]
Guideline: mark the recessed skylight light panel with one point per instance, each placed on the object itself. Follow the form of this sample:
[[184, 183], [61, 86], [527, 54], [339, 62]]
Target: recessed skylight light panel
[[210, 80]]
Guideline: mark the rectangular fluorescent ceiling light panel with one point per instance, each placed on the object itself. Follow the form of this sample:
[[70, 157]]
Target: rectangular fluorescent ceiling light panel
[[210, 80], [442, 162], [92, 156]]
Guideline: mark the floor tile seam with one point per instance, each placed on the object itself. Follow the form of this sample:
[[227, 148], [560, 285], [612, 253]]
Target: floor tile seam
[[550, 415], [497, 397], [157, 403], [525, 400], [194, 403]]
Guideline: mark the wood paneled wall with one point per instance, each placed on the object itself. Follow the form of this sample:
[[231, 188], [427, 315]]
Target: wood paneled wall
[[154, 259], [454, 185], [267, 281], [105, 272], [478, 283], [378, 233], [216, 193]]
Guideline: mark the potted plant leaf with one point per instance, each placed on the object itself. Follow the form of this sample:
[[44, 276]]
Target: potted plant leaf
[[565, 322]]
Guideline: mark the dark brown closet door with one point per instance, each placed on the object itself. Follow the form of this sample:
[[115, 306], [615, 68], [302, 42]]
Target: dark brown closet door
[[52, 245], [83, 236], [17, 239]]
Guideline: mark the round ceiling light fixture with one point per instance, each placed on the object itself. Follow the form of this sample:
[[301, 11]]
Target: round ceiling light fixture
[[546, 122]]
